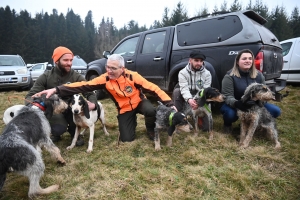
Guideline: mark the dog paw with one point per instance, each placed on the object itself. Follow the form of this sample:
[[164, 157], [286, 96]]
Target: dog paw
[[277, 146], [157, 148], [61, 161], [89, 150], [69, 147]]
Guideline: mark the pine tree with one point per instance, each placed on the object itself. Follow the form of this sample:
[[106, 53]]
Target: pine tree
[[294, 22]]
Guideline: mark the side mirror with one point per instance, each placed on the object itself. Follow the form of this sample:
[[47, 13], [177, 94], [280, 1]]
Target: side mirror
[[106, 54]]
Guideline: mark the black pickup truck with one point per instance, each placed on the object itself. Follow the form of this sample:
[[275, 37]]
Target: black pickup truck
[[159, 54]]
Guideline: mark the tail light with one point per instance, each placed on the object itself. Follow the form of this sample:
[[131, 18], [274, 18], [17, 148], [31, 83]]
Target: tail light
[[259, 61]]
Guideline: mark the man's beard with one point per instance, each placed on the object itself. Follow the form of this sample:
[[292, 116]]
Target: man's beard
[[62, 68], [196, 69]]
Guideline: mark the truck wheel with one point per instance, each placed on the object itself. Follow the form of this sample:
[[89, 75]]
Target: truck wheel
[[100, 94]]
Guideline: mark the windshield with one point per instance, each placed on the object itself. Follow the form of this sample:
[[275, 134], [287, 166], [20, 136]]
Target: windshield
[[11, 61], [78, 62]]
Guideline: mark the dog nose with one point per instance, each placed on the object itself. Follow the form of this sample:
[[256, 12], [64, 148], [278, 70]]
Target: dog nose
[[76, 111]]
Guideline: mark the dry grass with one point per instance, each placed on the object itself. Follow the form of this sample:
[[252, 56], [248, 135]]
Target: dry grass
[[193, 168]]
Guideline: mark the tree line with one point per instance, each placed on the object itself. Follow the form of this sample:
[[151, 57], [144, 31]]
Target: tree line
[[34, 38]]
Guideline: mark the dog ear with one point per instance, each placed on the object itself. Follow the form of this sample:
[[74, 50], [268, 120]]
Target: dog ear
[[86, 110], [247, 96], [49, 108], [171, 130]]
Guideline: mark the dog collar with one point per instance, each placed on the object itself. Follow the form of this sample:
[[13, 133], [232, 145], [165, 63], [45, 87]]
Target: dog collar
[[201, 93], [41, 105], [170, 118], [205, 105], [207, 108]]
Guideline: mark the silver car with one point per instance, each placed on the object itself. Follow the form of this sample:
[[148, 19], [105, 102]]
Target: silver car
[[14, 73], [38, 69], [78, 64]]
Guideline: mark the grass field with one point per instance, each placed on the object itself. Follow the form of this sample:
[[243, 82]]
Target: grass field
[[193, 168]]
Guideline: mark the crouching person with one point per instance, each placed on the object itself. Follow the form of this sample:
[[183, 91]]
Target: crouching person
[[125, 89]]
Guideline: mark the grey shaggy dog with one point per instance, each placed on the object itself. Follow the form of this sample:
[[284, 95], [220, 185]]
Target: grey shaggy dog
[[257, 116], [21, 140], [168, 119]]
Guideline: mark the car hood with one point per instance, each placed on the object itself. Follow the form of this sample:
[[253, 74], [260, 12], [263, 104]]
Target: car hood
[[11, 68]]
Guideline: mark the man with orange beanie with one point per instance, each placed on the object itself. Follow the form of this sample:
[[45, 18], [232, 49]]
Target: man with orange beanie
[[61, 73]]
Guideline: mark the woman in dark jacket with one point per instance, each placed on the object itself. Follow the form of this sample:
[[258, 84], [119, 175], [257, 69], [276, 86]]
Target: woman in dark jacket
[[234, 84]]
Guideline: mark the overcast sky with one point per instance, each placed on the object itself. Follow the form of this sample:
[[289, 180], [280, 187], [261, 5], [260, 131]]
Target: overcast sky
[[142, 11]]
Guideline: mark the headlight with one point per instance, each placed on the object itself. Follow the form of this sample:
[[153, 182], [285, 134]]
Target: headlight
[[22, 71]]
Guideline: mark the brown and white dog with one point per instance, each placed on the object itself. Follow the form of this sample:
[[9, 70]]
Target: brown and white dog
[[203, 97], [83, 118], [257, 116]]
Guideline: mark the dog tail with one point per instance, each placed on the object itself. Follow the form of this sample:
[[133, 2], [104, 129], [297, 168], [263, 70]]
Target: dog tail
[[2, 180]]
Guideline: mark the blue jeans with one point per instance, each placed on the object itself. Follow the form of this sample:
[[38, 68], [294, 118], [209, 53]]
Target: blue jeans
[[230, 115]]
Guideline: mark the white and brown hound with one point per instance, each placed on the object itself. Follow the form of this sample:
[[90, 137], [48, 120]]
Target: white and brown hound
[[83, 118]]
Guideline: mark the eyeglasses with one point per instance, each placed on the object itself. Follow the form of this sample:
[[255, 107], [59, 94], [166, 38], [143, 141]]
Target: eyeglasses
[[112, 68]]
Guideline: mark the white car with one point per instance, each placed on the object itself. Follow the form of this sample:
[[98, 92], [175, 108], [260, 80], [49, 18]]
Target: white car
[[38, 69], [14, 73], [291, 60]]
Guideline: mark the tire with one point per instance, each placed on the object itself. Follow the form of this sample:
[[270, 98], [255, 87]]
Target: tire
[[100, 94]]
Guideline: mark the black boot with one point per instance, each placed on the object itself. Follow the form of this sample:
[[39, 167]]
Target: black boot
[[80, 141], [55, 138]]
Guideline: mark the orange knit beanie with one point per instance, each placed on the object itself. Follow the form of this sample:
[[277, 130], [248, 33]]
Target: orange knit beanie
[[59, 52]]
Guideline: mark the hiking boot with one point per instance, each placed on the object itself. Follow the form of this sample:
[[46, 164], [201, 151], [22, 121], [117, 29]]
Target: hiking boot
[[227, 129], [80, 141], [55, 138], [151, 135]]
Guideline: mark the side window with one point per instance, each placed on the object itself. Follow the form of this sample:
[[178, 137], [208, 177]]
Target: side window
[[37, 68], [154, 42], [127, 48], [286, 48], [208, 31]]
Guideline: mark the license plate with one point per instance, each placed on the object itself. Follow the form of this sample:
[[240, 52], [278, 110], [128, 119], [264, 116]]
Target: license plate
[[5, 79]]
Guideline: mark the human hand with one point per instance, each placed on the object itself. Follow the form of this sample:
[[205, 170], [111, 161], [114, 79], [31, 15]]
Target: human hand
[[48, 93], [244, 106], [193, 104], [91, 105], [174, 107]]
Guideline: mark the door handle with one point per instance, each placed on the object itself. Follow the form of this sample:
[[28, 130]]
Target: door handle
[[157, 59], [129, 61], [285, 61]]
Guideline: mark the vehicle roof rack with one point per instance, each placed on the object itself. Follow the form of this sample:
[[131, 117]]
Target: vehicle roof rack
[[203, 16]]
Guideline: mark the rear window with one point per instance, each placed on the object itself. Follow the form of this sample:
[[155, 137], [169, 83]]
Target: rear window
[[211, 30]]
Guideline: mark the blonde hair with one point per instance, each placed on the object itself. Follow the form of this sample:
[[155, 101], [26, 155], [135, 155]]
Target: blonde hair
[[235, 70]]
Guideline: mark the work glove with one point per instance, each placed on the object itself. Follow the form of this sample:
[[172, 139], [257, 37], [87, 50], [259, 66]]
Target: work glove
[[244, 106]]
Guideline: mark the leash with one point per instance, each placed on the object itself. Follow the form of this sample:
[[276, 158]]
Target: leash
[[39, 105]]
